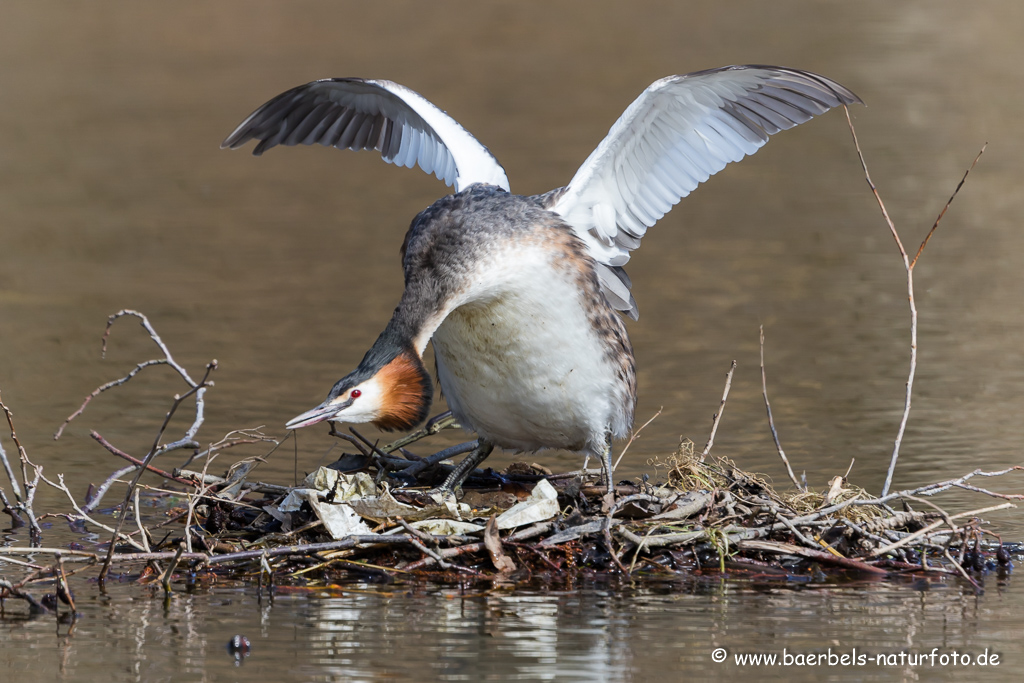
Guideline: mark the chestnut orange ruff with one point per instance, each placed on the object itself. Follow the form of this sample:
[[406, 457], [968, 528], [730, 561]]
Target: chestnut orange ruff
[[406, 393]]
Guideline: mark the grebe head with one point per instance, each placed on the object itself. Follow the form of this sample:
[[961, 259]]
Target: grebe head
[[394, 395]]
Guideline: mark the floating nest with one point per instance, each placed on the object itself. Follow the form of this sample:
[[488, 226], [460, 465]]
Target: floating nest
[[697, 516], [372, 516]]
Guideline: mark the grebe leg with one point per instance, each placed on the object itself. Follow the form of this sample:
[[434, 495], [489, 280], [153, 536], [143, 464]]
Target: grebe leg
[[466, 467]]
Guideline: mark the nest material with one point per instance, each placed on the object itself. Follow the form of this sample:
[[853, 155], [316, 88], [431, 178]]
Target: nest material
[[702, 516], [699, 517]]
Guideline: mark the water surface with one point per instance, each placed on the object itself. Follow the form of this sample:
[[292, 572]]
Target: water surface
[[114, 194]]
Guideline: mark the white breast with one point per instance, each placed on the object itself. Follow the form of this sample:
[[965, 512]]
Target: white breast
[[520, 362]]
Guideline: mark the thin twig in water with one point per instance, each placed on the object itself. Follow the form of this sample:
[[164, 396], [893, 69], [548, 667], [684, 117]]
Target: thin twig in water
[[154, 451], [93, 500], [771, 422], [135, 461], [15, 487], [31, 485], [909, 267], [83, 515], [16, 520], [949, 201], [633, 437], [99, 390], [63, 588], [252, 436], [947, 520], [144, 535], [977, 588], [166, 580], [718, 415]]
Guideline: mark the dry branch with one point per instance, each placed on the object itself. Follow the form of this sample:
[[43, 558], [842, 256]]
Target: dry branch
[[909, 267], [721, 409], [771, 422]]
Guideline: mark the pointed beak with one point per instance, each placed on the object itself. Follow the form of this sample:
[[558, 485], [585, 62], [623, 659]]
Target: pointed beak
[[324, 411]]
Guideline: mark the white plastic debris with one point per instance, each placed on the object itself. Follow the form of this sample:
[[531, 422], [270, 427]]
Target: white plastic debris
[[339, 519], [384, 505], [295, 498], [355, 496], [541, 505], [345, 486]]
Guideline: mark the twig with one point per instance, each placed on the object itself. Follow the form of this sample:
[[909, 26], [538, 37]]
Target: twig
[[448, 553], [913, 310], [16, 520], [771, 422], [947, 520], [166, 580], [63, 588], [84, 516], [15, 487], [606, 531], [818, 555], [434, 425], [422, 535], [718, 416], [416, 543], [994, 494], [253, 436], [50, 551], [31, 485], [537, 551], [192, 477], [948, 202], [135, 461], [909, 267], [310, 548], [155, 450], [93, 501], [633, 437], [168, 360], [796, 532], [16, 592], [99, 390], [193, 500], [138, 522], [640, 497], [977, 588]]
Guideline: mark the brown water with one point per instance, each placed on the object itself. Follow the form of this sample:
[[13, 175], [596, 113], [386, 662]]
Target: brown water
[[114, 194]]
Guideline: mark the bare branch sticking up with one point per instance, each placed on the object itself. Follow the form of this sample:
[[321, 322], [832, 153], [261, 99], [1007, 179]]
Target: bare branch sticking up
[[31, 484], [909, 267], [721, 409], [771, 422]]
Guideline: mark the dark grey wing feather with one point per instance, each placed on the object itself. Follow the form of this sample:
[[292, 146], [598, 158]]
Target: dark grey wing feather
[[360, 114]]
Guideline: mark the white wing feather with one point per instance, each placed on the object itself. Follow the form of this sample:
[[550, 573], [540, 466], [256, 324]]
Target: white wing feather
[[354, 113], [674, 136]]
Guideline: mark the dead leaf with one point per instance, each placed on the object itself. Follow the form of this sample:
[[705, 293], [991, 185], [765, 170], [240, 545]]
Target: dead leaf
[[835, 487]]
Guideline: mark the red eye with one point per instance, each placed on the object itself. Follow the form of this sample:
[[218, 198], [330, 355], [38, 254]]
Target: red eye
[[355, 394]]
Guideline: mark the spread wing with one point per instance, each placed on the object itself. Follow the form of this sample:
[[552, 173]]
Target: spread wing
[[354, 113], [678, 133]]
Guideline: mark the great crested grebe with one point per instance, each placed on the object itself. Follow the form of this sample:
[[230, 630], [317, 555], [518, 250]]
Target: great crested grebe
[[519, 294]]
